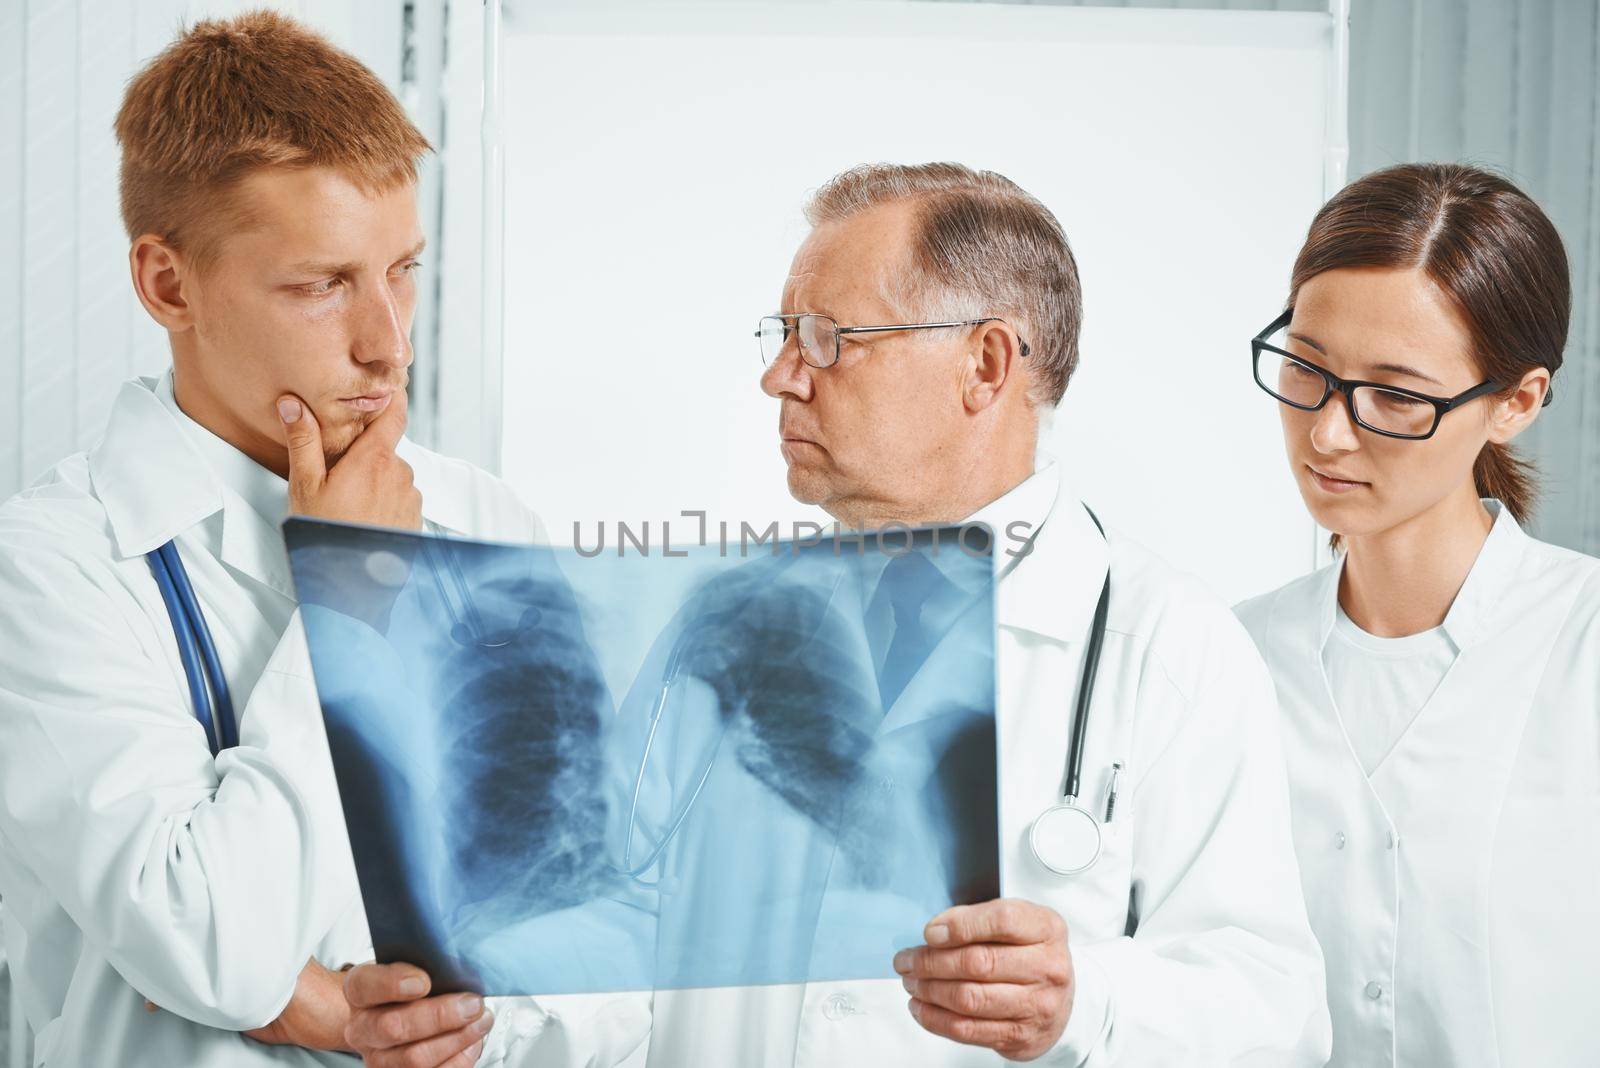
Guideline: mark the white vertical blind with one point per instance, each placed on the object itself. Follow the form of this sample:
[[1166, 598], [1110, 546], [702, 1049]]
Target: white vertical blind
[[12, 74]]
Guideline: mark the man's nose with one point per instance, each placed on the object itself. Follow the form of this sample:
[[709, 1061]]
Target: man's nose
[[788, 375], [1332, 430], [383, 335]]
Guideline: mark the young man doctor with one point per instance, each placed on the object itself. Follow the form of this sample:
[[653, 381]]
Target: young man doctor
[[1187, 942], [166, 906]]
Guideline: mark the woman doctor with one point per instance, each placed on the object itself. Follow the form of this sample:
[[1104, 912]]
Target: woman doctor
[[1440, 681]]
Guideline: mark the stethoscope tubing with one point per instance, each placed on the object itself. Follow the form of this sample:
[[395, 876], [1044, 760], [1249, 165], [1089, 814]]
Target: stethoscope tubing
[[202, 667], [1073, 778], [1091, 668], [669, 678]]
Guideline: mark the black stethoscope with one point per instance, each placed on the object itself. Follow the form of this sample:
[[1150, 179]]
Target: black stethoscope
[[1066, 837]]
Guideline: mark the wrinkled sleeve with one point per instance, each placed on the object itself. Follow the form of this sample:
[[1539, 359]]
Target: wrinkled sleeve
[[198, 877]]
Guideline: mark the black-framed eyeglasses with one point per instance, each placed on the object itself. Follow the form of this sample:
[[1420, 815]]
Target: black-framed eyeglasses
[[818, 335], [1392, 411]]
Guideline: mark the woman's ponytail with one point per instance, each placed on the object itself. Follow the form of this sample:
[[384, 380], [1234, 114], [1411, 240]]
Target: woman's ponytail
[[1500, 473]]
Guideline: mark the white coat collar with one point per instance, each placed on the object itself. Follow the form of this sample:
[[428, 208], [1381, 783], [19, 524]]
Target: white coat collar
[[447, 487], [148, 474], [264, 490], [1471, 615], [1053, 590], [155, 484]]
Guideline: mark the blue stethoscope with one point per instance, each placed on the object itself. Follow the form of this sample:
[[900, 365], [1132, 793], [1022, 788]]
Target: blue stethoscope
[[202, 667], [208, 689]]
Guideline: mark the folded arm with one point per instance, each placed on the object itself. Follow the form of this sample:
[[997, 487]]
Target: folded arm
[[200, 878]]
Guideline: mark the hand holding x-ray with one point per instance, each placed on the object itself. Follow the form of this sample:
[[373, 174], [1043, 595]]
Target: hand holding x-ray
[[997, 974]]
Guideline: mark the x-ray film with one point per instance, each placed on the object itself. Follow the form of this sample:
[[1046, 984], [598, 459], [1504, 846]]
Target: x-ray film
[[569, 772]]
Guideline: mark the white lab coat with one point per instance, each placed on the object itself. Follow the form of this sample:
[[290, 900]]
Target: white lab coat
[[133, 864], [1456, 891], [1189, 935]]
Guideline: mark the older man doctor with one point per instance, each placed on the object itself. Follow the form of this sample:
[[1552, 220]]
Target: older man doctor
[[1187, 941]]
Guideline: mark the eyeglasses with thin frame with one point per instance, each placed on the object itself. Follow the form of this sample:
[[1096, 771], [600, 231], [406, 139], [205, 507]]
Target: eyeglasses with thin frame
[[1393, 411], [819, 334]]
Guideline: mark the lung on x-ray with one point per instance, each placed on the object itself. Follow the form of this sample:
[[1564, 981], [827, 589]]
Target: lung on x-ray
[[568, 773]]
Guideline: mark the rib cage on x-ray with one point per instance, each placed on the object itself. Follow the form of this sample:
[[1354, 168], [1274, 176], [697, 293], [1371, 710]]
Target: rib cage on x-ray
[[523, 714], [790, 685]]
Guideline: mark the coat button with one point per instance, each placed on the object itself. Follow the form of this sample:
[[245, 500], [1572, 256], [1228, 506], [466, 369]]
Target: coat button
[[838, 1007], [1393, 841], [1338, 840], [1374, 991]]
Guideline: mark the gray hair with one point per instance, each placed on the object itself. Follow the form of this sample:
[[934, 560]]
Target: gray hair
[[984, 246]]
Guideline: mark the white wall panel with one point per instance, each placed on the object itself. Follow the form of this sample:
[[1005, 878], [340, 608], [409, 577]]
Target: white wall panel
[[49, 234], [13, 74], [651, 219], [458, 254]]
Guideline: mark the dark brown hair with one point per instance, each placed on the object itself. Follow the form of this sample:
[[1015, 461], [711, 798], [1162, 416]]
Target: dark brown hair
[[1486, 244], [232, 95]]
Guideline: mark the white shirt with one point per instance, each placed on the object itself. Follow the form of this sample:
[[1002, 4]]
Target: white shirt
[[1380, 684], [1456, 889], [264, 491], [133, 864], [1189, 935]]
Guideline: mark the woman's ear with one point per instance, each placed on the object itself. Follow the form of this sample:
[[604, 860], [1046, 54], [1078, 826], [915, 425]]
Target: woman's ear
[[1512, 414]]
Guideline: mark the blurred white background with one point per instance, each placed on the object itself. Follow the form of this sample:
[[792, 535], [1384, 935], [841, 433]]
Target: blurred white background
[[650, 221]]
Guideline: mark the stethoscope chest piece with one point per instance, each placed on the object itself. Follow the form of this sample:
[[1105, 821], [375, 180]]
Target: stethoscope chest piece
[[1065, 838]]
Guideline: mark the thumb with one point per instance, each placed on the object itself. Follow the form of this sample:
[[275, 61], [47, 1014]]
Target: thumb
[[307, 466]]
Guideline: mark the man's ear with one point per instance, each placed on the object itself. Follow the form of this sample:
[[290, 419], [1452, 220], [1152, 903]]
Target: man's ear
[[160, 274], [995, 360], [1510, 416]]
